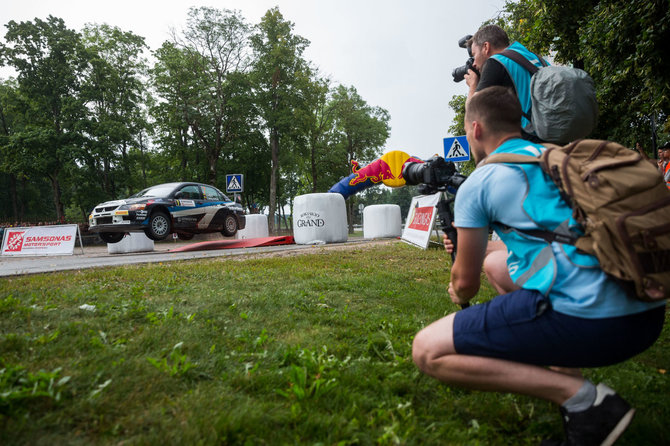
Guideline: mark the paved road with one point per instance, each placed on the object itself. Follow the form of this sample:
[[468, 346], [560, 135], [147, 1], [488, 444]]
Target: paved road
[[97, 256]]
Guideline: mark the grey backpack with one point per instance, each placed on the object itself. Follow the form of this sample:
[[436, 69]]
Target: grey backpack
[[563, 101]]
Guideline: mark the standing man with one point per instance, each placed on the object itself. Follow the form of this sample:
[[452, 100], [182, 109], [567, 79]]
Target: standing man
[[664, 163], [565, 312], [487, 46]]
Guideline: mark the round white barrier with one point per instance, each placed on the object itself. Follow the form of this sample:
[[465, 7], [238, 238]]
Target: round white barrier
[[132, 242], [382, 220], [319, 218], [256, 227]]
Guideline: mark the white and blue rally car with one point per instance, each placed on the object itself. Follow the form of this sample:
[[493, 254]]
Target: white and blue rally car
[[182, 208]]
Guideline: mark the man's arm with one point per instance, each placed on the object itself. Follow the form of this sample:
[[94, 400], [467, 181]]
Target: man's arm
[[466, 271], [494, 74]]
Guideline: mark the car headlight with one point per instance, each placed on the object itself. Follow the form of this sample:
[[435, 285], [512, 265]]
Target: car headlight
[[137, 207]]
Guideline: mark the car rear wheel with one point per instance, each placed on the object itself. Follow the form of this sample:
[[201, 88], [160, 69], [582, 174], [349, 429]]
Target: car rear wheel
[[159, 226], [111, 237], [229, 225]]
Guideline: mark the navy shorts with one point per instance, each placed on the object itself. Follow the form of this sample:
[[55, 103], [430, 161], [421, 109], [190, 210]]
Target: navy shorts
[[522, 327]]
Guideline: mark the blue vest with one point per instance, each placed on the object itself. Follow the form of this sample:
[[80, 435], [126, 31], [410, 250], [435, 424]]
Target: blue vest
[[521, 78], [532, 263]]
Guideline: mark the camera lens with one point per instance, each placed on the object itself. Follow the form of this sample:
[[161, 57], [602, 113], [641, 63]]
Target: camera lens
[[413, 173], [459, 73]]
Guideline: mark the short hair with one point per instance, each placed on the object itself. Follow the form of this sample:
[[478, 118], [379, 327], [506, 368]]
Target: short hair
[[665, 146], [493, 34], [497, 108]]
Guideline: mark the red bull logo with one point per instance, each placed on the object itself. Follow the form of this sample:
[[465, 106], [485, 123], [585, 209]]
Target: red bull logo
[[375, 172]]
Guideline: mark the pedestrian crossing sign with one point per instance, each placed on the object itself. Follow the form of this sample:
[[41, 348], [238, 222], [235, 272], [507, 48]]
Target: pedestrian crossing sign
[[456, 149], [234, 183]]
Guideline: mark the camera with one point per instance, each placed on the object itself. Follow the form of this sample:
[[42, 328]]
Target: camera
[[460, 72], [435, 175]]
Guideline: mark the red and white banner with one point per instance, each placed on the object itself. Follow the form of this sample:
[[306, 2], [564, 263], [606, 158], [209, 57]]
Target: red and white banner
[[420, 220], [39, 240]]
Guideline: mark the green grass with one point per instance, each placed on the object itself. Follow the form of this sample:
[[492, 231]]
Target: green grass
[[305, 349]]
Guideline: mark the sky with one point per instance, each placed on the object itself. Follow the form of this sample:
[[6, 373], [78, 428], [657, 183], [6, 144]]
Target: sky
[[398, 54]]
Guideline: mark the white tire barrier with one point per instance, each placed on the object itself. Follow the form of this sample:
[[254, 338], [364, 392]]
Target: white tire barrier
[[382, 220], [319, 218], [132, 242], [256, 227]]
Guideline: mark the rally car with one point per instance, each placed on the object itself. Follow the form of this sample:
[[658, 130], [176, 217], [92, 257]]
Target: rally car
[[182, 208]]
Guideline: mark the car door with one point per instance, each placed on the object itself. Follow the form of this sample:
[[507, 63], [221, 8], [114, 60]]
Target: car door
[[214, 202], [188, 210]]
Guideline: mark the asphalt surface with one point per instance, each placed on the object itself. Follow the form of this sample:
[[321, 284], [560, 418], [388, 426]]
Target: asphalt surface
[[97, 256]]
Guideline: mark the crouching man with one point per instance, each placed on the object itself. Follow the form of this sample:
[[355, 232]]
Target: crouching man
[[563, 313]]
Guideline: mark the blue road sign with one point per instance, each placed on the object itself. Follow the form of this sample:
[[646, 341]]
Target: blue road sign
[[234, 183], [456, 149]]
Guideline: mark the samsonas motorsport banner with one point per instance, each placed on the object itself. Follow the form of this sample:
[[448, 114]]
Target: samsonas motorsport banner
[[420, 220], [39, 240]]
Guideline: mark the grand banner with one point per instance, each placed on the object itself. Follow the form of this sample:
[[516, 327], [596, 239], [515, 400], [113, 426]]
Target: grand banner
[[39, 240]]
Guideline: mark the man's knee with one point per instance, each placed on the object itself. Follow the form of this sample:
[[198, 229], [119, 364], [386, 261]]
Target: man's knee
[[433, 343], [495, 268], [421, 352]]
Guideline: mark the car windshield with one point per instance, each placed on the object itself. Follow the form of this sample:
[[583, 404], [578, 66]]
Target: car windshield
[[155, 191]]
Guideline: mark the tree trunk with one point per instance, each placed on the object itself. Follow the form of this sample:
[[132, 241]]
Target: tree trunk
[[55, 185], [14, 197], [105, 175], [274, 148], [313, 160]]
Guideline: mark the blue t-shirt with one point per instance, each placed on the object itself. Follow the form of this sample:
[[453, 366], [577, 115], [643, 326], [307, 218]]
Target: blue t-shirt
[[574, 282]]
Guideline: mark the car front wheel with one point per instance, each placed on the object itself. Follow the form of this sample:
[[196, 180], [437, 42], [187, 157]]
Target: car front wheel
[[159, 226], [229, 225], [111, 237]]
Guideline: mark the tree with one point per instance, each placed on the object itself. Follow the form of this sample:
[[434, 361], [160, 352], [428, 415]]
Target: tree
[[319, 132], [214, 44], [15, 169], [362, 131], [621, 44], [114, 89], [50, 60], [279, 74]]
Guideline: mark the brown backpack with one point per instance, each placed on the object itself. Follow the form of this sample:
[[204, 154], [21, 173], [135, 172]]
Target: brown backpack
[[622, 203]]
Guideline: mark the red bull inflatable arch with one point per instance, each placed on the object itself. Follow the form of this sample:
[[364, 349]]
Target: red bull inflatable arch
[[386, 170]]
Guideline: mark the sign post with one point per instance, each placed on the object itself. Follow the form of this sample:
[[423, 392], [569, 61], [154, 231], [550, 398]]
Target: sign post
[[235, 184], [456, 149]]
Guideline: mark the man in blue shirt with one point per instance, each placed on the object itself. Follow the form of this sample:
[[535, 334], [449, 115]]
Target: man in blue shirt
[[562, 312], [487, 46]]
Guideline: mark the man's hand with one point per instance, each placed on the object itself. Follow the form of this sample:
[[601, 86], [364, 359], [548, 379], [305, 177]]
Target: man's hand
[[448, 244], [472, 79], [455, 298]]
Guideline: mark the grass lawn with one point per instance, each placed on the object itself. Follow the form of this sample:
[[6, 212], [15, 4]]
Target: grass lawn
[[295, 349]]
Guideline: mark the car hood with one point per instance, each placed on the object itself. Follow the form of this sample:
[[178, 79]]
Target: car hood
[[128, 201]]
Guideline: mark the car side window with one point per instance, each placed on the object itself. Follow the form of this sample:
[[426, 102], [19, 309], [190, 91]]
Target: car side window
[[190, 192], [211, 194]]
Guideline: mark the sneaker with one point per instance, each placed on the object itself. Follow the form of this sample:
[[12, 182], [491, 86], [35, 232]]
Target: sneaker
[[602, 423]]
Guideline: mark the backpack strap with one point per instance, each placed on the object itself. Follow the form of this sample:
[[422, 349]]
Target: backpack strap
[[547, 236], [527, 64], [513, 158]]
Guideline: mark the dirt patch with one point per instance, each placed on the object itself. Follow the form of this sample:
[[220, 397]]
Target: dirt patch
[[316, 249]]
